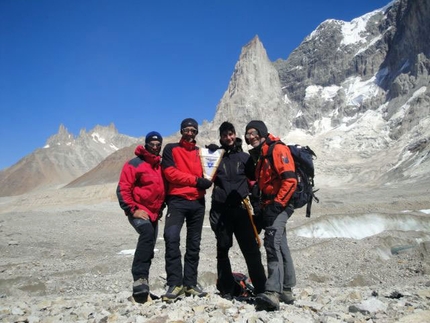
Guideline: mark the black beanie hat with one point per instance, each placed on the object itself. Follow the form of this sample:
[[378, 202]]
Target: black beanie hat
[[226, 126], [189, 122], [259, 126], [153, 135]]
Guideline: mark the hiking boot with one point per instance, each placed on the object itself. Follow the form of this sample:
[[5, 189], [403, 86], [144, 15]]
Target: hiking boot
[[173, 293], [227, 296], [287, 297], [140, 290], [267, 301], [195, 290]]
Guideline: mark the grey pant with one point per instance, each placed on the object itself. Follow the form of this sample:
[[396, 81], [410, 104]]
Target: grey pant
[[280, 267]]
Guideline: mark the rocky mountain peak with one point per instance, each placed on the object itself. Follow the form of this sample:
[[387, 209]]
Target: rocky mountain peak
[[62, 137], [254, 92], [105, 130]]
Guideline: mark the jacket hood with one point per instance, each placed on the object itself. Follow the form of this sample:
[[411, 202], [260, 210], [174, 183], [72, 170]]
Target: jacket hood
[[187, 145], [152, 159]]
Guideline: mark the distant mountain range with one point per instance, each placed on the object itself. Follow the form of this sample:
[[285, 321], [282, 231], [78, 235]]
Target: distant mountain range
[[358, 92], [62, 160]]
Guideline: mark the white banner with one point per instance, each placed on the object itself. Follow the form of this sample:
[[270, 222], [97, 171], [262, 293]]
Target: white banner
[[210, 161]]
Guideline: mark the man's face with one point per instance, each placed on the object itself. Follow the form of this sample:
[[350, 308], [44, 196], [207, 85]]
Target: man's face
[[253, 137], [154, 147], [228, 138], [189, 133]]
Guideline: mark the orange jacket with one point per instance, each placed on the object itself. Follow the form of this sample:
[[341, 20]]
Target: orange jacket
[[276, 181]]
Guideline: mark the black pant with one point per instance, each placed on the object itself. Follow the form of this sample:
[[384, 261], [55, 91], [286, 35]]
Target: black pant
[[180, 210], [226, 221], [145, 246]]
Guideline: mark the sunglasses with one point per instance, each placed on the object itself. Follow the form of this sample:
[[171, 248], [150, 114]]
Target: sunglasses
[[253, 133], [154, 145], [192, 130]]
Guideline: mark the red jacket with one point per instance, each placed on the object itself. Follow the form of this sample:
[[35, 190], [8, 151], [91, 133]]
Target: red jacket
[[181, 167], [141, 185], [277, 183]]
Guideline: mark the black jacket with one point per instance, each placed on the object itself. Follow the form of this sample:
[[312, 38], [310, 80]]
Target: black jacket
[[231, 183]]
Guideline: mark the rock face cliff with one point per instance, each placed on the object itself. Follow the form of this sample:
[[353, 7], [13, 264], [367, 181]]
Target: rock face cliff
[[344, 69], [357, 91], [253, 91]]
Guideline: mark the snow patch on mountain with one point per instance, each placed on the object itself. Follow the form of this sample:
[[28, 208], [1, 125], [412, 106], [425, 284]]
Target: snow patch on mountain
[[369, 45], [355, 31], [97, 138], [326, 93], [358, 90]]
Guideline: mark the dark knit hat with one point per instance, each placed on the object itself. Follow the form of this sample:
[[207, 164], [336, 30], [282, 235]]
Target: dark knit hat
[[189, 122], [259, 126], [226, 126], [153, 135]]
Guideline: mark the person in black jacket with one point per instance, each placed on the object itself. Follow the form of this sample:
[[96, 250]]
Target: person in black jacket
[[228, 214]]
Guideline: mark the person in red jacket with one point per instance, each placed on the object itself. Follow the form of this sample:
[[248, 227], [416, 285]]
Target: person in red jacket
[[277, 184], [186, 188], [141, 194]]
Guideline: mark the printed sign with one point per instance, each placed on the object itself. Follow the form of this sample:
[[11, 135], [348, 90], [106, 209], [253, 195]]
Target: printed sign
[[210, 161]]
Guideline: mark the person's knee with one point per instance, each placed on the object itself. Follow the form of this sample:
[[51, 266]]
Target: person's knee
[[172, 234]]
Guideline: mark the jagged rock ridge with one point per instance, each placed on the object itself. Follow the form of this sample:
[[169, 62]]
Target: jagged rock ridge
[[254, 89], [62, 159]]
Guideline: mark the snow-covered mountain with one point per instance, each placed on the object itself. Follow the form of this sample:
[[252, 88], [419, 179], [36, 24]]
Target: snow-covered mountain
[[357, 92]]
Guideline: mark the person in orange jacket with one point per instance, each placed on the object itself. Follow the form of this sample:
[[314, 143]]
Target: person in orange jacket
[[277, 183], [141, 193]]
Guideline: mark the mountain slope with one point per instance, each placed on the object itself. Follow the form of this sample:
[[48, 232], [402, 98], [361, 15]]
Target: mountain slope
[[63, 159], [367, 95], [109, 169]]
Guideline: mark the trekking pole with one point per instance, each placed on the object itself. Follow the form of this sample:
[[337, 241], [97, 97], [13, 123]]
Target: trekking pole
[[250, 211]]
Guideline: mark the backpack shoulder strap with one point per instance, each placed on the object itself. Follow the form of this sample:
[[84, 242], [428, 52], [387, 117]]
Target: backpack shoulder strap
[[269, 155]]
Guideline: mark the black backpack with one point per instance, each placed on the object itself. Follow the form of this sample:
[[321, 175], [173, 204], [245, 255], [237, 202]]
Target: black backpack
[[305, 172]]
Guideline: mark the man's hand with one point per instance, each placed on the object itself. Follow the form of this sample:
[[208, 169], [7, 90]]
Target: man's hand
[[203, 183], [212, 147], [141, 214]]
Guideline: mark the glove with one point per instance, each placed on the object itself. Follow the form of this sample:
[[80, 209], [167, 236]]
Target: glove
[[203, 183], [212, 147], [271, 212], [255, 192]]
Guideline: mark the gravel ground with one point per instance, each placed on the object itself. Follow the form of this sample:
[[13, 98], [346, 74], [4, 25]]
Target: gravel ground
[[63, 262]]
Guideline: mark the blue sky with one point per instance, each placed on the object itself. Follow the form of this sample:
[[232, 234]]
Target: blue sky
[[142, 65]]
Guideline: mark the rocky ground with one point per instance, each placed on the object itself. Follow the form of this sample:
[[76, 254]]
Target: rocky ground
[[65, 257]]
